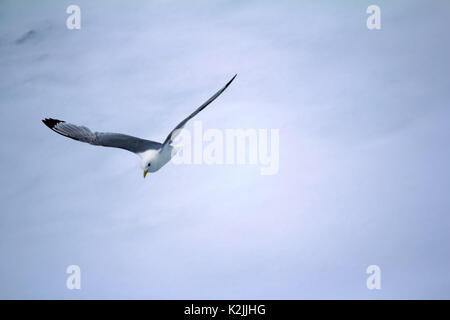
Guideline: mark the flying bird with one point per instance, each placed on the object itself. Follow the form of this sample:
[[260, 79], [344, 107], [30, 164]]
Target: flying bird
[[154, 155]]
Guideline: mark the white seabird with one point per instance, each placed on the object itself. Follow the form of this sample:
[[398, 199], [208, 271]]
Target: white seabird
[[154, 155]]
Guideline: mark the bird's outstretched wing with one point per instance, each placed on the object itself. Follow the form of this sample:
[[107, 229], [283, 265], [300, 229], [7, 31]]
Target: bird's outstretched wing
[[105, 139], [175, 131]]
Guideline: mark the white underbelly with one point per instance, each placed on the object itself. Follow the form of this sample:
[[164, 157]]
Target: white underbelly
[[158, 158]]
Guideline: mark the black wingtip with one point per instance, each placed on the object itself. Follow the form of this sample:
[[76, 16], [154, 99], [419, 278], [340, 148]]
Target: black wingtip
[[51, 123], [226, 86], [230, 81]]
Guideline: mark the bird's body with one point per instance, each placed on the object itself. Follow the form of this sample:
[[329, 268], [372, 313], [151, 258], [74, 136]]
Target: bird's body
[[154, 155], [157, 158]]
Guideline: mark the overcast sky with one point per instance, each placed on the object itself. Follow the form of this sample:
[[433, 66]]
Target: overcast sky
[[364, 128]]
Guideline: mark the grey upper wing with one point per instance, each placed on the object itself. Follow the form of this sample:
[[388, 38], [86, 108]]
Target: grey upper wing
[[114, 140], [173, 133]]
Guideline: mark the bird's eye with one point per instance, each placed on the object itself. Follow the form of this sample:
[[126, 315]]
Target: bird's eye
[[148, 165]]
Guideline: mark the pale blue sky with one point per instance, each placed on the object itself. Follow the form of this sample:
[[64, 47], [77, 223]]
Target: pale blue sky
[[363, 118]]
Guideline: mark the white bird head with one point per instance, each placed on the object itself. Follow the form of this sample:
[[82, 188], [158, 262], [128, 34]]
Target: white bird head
[[147, 159]]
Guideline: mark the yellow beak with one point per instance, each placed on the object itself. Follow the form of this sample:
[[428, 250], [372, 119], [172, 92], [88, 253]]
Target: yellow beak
[[145, 173]]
